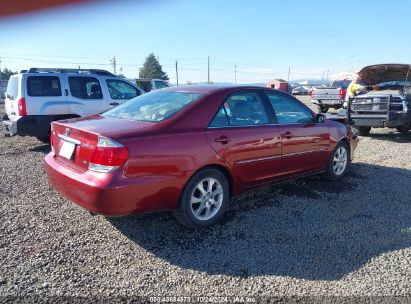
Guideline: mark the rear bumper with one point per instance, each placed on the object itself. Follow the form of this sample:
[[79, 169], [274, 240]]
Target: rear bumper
[[10, 127], [113, 194], [392, 120], [328, 102], [30, 125]]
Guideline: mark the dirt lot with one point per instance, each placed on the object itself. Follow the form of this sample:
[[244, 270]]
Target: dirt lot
[[304, 238]]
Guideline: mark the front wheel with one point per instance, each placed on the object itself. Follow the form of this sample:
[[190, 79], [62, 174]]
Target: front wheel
[[363, 131], [204, 199], [403, 129], [339, 162]]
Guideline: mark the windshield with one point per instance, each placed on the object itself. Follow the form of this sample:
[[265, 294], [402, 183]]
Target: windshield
[[154, 106]]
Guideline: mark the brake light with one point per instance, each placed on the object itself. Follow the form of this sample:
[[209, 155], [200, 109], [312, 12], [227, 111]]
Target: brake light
[[108, 156], [343, 92], [22, 107]]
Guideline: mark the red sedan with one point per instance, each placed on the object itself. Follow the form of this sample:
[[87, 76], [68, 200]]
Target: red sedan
[[189, 149]]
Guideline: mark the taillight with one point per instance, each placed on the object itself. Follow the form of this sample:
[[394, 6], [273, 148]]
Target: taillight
[[342, 93], [108, 156], [22, 107]]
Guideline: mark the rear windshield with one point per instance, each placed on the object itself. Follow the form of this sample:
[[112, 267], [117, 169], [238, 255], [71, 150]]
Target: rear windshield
[[341, 83], [43, 86], [154, 106]]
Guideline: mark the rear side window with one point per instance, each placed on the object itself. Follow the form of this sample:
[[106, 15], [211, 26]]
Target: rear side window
[[43, 86], [85, 87], [13, 87], [241, 109], [121, 90]]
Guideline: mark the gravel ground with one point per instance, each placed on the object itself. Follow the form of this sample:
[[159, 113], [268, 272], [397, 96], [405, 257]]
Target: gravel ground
[[303, 238]]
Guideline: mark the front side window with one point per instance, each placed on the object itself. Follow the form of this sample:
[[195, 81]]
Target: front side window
[[85, 87], [43, 86], [154, 106], [241, 109], [288, 110], [121, 90]]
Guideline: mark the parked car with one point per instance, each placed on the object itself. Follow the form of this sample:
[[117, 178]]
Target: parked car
[[389, 105], [150, 84], [299, 91], [330, 97], [189, 149], [36, 97]]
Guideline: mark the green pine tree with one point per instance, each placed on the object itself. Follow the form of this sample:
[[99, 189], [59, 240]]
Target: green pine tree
[[6, 73], [152, 69]]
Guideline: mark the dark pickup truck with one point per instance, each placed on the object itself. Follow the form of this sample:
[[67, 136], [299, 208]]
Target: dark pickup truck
[[388, 105]]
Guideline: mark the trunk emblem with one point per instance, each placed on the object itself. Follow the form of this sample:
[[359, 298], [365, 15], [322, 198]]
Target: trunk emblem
[[67, 132]]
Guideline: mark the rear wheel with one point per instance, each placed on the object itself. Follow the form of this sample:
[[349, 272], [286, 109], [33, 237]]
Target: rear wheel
[[204, 199], [364, 131], [45, 140], [339, 162], [323, 109]]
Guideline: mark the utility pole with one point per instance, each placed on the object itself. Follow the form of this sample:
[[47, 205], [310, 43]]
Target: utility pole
[[208, 65], [177, 72], [235, 74], [114, 63], [289, 72], [328, 73]]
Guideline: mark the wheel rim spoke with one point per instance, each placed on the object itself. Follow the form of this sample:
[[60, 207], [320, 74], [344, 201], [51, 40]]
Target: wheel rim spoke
[[206, 199], [340, 161]]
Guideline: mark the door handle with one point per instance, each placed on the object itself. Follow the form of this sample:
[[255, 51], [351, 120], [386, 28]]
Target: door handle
[[114, 104], [287, 135], [222, 139]]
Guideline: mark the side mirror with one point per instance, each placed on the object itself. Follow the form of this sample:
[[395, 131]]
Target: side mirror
[[3, 95], [319, 118]]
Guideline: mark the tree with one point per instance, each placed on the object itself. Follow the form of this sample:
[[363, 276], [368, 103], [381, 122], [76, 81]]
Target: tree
[[6, 73], [152, 69]]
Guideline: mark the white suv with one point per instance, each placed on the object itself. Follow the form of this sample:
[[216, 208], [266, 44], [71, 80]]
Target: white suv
[[36, 97]]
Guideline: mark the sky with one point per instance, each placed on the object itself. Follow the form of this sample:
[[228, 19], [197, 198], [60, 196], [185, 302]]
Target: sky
[[265, 39]]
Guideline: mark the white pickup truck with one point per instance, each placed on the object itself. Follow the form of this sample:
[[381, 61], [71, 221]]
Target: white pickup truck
[[330, 97]]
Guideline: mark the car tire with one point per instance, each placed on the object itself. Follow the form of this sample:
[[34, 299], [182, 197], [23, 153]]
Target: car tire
[[45, 140], [204, 199], [363, 131], [339, 162], [323, 109], [403, 129]]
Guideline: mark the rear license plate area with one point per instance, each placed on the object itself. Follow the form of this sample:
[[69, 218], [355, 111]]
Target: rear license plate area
[[67, 150]]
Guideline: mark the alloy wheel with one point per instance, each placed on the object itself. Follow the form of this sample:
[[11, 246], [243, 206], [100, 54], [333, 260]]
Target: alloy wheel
[[206, 199], [340, 160]]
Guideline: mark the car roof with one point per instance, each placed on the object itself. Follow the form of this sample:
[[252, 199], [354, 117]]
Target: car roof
[[209, 88]]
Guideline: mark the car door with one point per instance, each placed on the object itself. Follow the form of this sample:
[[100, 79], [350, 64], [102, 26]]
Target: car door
[[120, 91], [86, 95], [244, 136], [304, 141]]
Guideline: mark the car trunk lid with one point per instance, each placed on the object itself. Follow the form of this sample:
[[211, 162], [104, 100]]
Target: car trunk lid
[[75, 141]]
